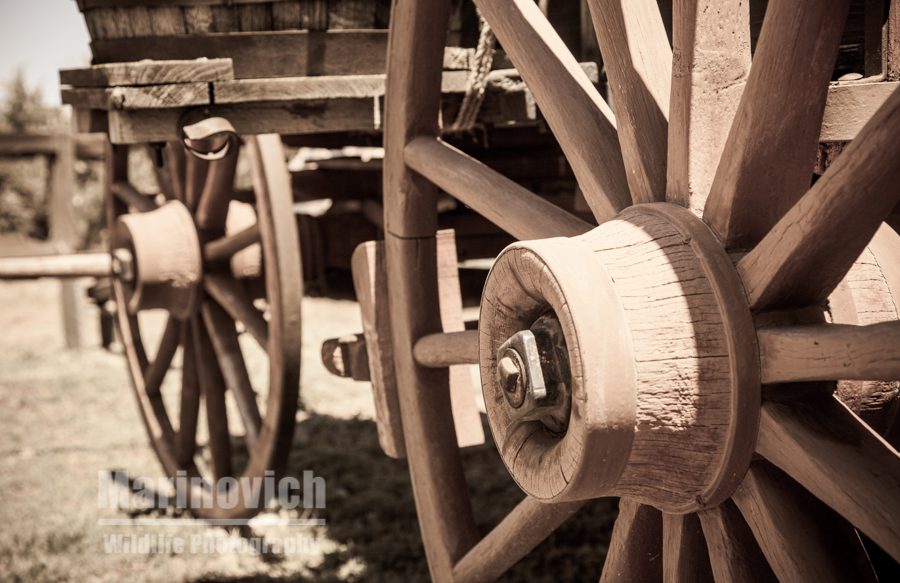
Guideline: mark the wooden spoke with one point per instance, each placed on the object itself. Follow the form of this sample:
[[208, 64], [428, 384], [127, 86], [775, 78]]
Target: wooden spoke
[[230, 296], [195, 171], [231, 362], [131, 197], [446, 349], [213, 388], [224, 247], [827, 449], [685, 558], [802, 538], [500, 200], [635, 550], [830, 352], [579, 117], [212, 207], [156, 372], [638, 61], [733, 554], [711, 60], [812, 247], [186, 439], [529, 523], [771, 148]]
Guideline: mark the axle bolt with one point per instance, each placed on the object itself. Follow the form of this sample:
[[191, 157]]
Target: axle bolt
[[123, 264], [510, 377]]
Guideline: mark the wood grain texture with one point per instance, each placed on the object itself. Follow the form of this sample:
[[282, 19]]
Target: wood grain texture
[[812, 247], [827, 449], [768, 156], [503, 202], [149, 73], [710, 64], [635, 549], [802, 539], [638, 62], [830, 352], [526, 526], [849, 107], [685, 558], [733, 553], [579, 117]]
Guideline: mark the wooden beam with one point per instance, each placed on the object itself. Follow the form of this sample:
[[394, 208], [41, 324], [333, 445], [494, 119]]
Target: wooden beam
[[149, 73], [638, 62], [830, 352], [822, 445], [447, 349], [768, 158], [850, 106], [808, 252], [503, 202], [61, 266]]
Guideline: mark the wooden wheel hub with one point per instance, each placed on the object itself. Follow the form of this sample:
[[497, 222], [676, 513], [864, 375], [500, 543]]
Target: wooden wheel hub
[[662, 355], [166, 256]]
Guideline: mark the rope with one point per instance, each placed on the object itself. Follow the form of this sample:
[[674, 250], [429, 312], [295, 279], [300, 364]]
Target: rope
[[477, 82]]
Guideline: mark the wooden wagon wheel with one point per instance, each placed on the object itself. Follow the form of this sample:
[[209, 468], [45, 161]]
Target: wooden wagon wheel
[[217, 266], [690, 378]]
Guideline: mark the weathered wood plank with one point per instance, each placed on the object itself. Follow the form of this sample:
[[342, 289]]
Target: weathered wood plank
[[149, 97], [850, 106], [149, 73]]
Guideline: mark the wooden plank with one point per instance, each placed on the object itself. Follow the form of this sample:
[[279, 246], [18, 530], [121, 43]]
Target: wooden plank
[[812, 247], [822, 445], [802, 539], [709, 70], [574, 110], [850, 106], [529, 523], [88, 4], [830, 352], [149, 73], [64, 230], [771, 148], [149, 97], [638, 61]]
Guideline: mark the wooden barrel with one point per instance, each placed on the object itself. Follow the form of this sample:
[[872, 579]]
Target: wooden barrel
[[120, 19]]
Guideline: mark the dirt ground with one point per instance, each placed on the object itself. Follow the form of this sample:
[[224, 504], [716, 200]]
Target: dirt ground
[[67, 418]]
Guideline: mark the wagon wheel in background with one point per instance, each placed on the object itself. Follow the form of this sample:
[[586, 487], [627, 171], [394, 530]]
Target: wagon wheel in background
[[215, 267], [647, 358]]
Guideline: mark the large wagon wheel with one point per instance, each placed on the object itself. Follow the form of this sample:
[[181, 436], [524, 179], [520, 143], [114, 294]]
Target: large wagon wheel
[[218, 266], [678, 374]]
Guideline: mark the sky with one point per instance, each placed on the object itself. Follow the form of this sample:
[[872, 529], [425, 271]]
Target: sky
[[42, 37]]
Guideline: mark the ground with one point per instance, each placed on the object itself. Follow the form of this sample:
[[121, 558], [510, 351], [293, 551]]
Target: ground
[[68, 417]]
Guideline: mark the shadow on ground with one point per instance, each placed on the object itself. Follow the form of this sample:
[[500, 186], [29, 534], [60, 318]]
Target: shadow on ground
[[371, 514]]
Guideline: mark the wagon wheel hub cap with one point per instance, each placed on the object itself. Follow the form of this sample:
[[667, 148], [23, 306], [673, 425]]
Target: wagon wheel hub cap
[[659, 395], [157, 257]]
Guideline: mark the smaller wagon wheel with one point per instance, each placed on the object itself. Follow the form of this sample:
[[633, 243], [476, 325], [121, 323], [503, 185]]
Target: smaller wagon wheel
[[217, 266], [676, 355]]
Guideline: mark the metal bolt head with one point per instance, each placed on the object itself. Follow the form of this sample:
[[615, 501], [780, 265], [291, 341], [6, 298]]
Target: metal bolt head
[[123, 264], [508, 373]]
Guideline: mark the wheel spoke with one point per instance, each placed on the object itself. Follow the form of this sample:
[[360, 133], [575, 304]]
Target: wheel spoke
[[830, 352], [232, 298], [812, 247], [771, 148], [685, 558], [733, 554], [156, 372], [635, 550], [231, 362], [224, 247], [213, 388], [212, 207], [711, 60], [129, 195], [827, 449], [802, 538], [186, 439], [579, 117], [529, 523], [500, 200], [638, 61]]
